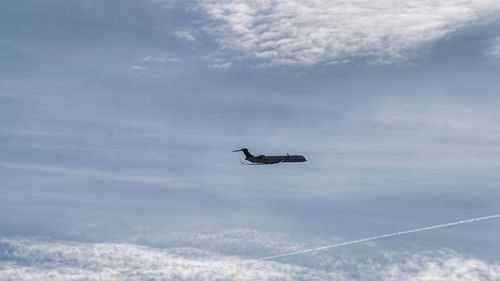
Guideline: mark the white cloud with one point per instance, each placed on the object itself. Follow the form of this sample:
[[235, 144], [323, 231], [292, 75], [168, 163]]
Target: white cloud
[[162, 59], [138, 67], [444, 267], [165, 4], [185, 35], [222, 66], [321, 31], [30, 259], [494, 49], [218, 63]]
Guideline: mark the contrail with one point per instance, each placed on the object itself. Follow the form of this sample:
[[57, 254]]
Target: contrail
[[497, 216]]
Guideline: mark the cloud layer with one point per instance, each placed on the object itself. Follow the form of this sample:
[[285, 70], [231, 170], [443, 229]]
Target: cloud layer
[[31, 259], [319, 31]]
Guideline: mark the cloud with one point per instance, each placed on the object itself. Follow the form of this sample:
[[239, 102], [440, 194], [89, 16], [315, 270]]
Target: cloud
[[138, 67], [494, 49], [155, 66], [222, 66], [218, 63], [165, 4], [320, 31], [162, 59], [32, 259], [447, 267], [185, 35]]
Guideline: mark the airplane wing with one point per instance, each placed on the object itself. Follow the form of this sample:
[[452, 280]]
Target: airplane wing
[[284, 159]]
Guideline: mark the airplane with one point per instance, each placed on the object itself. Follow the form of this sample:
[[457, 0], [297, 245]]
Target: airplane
[[265, 160]]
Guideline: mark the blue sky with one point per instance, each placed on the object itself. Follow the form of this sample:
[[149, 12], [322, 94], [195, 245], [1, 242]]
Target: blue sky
[[117, 122]]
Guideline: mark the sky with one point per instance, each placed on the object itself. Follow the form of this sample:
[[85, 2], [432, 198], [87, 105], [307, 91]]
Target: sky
[[118, 118]]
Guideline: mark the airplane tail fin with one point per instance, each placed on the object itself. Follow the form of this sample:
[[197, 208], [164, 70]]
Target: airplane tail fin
[[245, 150]]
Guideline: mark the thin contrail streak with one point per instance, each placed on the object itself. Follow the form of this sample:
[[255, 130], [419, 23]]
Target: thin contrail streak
[[497, 216]]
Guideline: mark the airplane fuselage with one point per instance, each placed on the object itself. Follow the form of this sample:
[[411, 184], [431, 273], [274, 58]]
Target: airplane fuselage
[[262, 159], [274, 159]]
